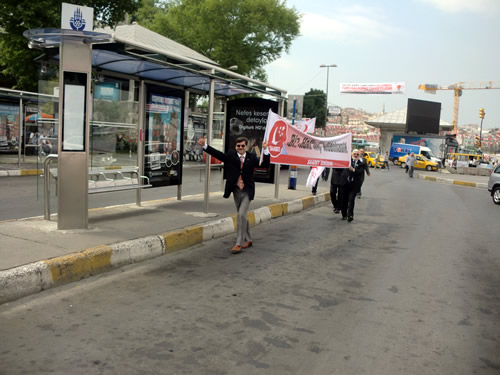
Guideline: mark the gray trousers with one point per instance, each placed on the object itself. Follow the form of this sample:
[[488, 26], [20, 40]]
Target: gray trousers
[[242, 202], [410, 171]]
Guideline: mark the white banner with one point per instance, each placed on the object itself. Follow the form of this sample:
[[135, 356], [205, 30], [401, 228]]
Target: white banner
[[288, 145], [372, 88], [306, 126], [314, 175]]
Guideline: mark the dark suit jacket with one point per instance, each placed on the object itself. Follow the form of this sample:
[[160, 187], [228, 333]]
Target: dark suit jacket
[[232, 169], [358, 176], [339, 176]]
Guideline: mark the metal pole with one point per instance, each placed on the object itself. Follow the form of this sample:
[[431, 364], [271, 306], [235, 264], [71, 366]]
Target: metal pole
[[327, 79], [277, 167], [481, 136], [21, 132], [209, 141], [140, 143], [46, 180], [186, 121]]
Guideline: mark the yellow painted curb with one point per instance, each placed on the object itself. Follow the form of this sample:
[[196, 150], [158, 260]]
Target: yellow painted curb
[[285, 208], [68, 268], [251, 218], [464, 183], [183, 238], [276, 210], [30, 172], [307, 202], [430, 178], [328, 198], [100, 258]]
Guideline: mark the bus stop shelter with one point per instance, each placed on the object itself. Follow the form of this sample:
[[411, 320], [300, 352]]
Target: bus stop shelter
[[139, 83]]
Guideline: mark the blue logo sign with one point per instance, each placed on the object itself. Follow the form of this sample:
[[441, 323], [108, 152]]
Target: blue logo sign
[[77, 22]]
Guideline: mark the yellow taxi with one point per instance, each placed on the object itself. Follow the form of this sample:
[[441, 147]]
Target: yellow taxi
[[421, 162], [374, 160], [371, 158]]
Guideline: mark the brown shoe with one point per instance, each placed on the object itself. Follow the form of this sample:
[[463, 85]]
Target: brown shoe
[[236, 249], [247, 244]]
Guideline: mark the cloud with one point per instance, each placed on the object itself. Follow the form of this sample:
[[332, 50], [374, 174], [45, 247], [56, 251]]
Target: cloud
[[348, 24], [457, 6]]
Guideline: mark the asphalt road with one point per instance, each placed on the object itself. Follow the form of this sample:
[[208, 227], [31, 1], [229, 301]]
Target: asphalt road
[[409, 287]]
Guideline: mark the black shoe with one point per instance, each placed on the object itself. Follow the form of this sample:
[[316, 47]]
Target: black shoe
[[350, 218], [337, 211], [344, 217]]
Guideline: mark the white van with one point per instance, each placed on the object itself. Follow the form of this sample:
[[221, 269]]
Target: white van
[[427, 152]]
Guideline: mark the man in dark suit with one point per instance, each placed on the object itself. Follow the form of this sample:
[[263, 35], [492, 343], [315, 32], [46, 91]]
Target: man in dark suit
[[354, 181], [239, 166], [337, 183], [362, 155]]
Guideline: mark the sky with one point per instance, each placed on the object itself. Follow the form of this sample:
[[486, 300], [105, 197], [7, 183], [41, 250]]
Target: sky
[[413, 41]]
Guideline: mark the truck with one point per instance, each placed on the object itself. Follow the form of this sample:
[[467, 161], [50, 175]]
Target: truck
[[403, 149]]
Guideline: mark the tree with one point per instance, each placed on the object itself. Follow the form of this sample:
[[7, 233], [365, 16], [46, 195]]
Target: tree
[[17, 16], [245, 33], [315, 106]]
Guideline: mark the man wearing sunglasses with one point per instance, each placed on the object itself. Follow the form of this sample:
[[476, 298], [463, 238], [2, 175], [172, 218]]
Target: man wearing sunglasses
[[239, 166]]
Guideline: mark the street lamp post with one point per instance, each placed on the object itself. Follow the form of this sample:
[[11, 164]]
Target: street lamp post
[[327, 78]]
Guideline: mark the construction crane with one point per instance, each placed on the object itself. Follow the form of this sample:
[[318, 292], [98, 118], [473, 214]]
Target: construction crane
[[457, 89]]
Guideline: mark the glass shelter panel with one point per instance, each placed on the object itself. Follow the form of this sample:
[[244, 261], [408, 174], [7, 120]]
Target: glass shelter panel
[[114, 125]]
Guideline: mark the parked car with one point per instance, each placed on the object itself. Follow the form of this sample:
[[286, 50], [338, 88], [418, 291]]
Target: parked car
[[484, 164], [421, 162], [494, 185]]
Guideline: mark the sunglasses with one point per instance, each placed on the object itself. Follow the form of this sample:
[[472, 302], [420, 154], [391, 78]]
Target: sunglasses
[[241, 146]]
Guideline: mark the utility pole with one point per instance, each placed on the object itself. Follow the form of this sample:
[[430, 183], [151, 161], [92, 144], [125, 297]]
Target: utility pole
[[481, 115], [327, 79]]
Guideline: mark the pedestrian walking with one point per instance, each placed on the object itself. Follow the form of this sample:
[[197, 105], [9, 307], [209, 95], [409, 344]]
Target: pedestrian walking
[[406, 164], [386, 160], [337, 183], [239, 166], [351, 189], [410, 162], [367, 170]]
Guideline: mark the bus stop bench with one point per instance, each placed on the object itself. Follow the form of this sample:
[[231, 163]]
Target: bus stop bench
[[104, 181]]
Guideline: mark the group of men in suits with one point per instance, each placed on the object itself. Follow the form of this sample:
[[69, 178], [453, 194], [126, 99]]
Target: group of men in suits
[[239, 168], [346, 184]]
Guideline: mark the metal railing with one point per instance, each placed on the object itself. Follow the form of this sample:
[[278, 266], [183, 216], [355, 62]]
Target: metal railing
[[46, 180]]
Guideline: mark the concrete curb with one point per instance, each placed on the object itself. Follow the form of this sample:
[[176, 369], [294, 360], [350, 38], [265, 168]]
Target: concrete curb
[[21, 172], [449, 181], [32, 278]]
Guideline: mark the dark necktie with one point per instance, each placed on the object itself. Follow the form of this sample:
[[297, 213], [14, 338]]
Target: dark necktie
[[240, 183]]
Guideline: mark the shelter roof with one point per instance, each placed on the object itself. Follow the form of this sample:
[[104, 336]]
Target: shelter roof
[[137, 35], [136, 51]]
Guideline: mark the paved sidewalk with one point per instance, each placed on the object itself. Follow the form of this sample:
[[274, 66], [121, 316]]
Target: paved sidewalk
[[36, 256]]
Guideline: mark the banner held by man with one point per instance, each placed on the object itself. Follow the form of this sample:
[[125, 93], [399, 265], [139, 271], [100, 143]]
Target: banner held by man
[[288, 145]]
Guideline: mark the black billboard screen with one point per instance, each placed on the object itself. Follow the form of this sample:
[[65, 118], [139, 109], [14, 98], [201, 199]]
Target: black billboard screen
[[423, 117]]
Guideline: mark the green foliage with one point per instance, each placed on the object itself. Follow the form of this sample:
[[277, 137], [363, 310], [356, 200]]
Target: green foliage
[[246, 33], [315, 106], [17, 16]]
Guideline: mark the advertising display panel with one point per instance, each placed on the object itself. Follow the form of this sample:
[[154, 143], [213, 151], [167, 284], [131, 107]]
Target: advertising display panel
[[9, 127], [247, 117], [162, 143]]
